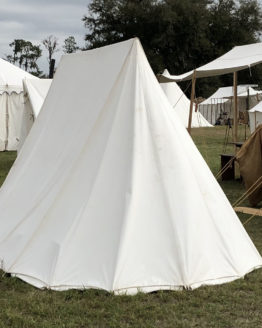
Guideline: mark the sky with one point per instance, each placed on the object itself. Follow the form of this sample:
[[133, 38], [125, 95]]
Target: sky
[[34, 20]]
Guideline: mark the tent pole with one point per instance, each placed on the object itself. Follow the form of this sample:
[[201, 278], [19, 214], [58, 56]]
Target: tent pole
[[235, 109], [193, 87]]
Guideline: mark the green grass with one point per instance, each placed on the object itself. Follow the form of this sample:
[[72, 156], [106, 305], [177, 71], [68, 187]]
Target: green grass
[[236, 304]]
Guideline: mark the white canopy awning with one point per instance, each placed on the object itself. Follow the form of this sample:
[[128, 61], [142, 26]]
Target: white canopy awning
[[239, 58], [257, 108]]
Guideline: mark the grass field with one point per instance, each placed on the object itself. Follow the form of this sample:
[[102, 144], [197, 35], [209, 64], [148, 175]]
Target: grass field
[[237, 304]]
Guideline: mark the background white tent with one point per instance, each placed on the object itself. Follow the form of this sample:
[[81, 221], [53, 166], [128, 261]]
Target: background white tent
[[11, 104], [109, 191], [181, 104], [35, 91], [220, 103], [255, 116], [238, 58]]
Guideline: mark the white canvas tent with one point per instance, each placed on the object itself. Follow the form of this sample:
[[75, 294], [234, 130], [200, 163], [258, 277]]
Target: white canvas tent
[[255, 116], [110, 192], [11, 104], [220, 103], [34, 91], [181, 104]]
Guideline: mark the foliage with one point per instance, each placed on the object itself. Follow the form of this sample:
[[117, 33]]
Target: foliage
[[25, 54], [70, 46], [178, 35], [51, 45]]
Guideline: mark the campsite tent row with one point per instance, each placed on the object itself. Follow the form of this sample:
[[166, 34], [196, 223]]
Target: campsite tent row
[[220, 105], [134, 207]]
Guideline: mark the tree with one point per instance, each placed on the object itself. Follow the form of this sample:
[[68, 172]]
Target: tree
[[51, 45], [70, 45], [178, 35], [25, 54]]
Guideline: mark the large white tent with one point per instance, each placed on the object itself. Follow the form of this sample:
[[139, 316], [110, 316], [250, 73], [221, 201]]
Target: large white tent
[[110, 192], [11, 104], [35, 91], [181, 104]]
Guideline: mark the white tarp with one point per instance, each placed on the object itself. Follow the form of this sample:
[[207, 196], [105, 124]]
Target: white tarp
[[11, 104], [110, 192], [220, 104], [238, 58], [181, 105], [255, 116], [35, 91]]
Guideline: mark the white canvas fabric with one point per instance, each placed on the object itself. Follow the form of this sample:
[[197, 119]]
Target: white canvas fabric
[[11, 104], [11, 77], [181, 104], [223, 94], [238, 58], [110, 192], [11, 111], [221, 102], [34, 91], [255, 116]]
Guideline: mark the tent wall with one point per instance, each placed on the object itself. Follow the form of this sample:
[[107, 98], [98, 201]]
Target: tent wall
[[11, 113], [217, 108], [35, 91], [26, 121], [181, 105], [255, 119]]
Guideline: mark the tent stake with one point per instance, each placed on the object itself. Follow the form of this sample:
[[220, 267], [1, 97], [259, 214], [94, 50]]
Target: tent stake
[[191, 102]]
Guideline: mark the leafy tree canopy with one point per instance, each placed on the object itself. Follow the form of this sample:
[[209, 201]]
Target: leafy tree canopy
[[70, 45], [25, 54], [178, 35]]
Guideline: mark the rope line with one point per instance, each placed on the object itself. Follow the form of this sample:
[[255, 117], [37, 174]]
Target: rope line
[[251, 217], [224, 168], [250, 190]]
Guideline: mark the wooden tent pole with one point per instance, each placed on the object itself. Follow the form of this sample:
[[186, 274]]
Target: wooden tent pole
[[235, 109], [193, 87]]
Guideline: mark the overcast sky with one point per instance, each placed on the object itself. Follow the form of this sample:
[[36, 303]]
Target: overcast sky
[[34, 20]]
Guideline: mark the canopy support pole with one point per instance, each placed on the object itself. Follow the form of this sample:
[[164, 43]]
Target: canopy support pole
[[235, 110], [193, 88]]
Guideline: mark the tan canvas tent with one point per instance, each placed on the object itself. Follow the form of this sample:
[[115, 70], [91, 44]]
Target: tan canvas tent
[[110, 192], [249, 158]]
